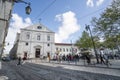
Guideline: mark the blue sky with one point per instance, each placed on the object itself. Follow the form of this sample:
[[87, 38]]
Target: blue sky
[[67, 18]]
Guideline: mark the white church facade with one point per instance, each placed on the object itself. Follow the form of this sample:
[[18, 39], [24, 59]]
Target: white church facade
[[37, 41]]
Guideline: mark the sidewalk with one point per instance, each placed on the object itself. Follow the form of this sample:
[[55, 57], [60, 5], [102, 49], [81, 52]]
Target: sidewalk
[[115, 64]]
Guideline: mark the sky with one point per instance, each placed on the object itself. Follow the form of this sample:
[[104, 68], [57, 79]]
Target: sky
[[67, 18]]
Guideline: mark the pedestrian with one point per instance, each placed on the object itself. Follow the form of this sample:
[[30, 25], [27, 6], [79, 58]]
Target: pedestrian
[[101, 59], [63, 57], [88, 59], [106, 60], [19, 61]]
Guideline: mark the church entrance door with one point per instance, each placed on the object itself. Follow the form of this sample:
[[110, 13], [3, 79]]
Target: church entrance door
[[37, 53]]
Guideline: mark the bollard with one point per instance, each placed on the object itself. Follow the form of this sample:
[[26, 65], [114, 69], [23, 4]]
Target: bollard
[[0, 65]]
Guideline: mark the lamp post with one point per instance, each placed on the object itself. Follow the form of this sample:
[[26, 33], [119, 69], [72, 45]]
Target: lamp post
[[116, 42], [88, 28]]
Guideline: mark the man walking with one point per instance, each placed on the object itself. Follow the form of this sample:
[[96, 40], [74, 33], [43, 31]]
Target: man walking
[[19, 61]]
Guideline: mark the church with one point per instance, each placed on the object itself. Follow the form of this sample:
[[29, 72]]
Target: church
[[37, 41]]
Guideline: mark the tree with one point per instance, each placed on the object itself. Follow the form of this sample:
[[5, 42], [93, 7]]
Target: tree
[[84, 41], [108, 25], [109, 22]]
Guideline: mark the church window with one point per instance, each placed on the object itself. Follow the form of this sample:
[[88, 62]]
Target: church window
[[38, 37], [48, 37], [48, 44], [28, 35], [39, 27], [26, 43]]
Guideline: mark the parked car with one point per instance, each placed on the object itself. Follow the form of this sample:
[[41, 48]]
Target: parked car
[[5, 59]]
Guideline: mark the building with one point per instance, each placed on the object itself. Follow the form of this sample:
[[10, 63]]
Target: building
[[5, 14], [6, 7], [65, 48], [37, 41], [13, 51]]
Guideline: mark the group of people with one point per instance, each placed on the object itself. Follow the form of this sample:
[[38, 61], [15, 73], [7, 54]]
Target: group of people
[[68, 57], [103, 58]]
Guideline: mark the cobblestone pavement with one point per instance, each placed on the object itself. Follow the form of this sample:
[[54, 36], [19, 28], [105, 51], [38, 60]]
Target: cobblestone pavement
[[48, 71]]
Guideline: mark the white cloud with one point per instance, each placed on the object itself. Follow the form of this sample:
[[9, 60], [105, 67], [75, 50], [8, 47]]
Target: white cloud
[[17, 23], [58, 18], [69, 26], [99, 2], [90, 3]]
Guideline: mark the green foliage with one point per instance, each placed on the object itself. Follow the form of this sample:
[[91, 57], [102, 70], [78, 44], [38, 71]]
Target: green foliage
[[109, 42], [108, 25], [109, 22], [84, 41]]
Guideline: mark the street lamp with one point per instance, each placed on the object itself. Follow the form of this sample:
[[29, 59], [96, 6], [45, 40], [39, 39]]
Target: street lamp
[[28, 8], [88, 28]]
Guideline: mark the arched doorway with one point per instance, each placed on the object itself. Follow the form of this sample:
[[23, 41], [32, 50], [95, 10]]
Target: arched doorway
[[37, 51], [25, 56]]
